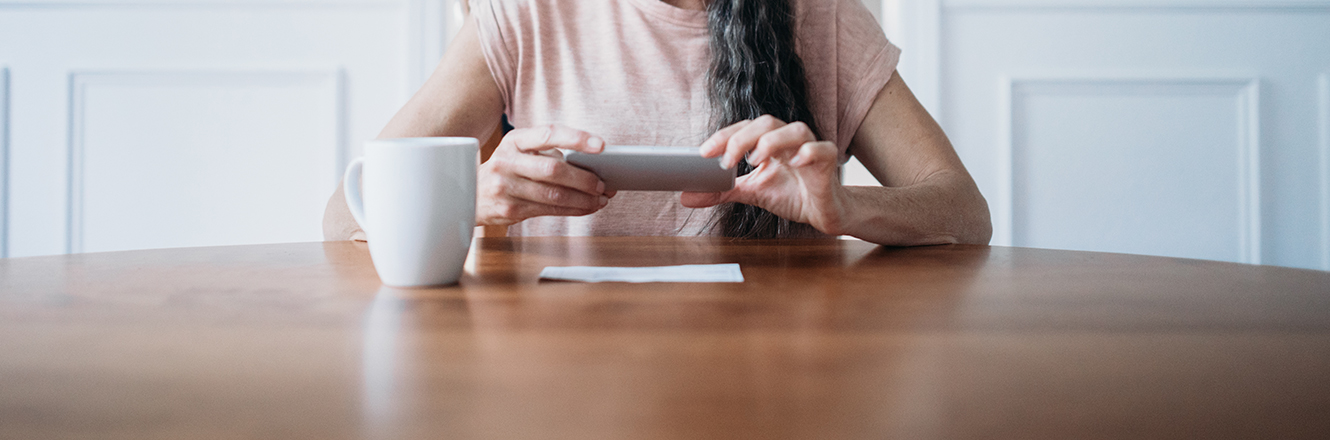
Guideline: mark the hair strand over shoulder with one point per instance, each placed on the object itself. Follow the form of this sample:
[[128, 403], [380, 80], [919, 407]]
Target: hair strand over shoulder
[[755, 71]]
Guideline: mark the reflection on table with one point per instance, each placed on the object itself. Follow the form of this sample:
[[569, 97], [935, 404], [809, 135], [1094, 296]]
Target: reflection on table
[[825, 339]]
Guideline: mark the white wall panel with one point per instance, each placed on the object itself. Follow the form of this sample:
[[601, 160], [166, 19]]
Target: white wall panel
[[4, 162], [1189, 190], [383, 48], [1286, 44], [957, 56], [153, 165], [1324, 128]]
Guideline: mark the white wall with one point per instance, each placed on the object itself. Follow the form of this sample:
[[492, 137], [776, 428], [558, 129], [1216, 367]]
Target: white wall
[[1191, 128], [161, 123]]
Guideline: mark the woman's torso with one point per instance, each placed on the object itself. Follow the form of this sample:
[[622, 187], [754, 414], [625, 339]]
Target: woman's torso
[[635, 73]]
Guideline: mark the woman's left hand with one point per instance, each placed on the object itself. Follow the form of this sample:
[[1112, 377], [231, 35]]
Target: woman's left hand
[[795, 176]]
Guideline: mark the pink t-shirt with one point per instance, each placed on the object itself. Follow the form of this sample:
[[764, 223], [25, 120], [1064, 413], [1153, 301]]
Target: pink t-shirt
[[635, 73]]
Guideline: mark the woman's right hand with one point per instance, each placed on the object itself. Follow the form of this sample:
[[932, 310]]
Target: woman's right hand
[[527, 177]]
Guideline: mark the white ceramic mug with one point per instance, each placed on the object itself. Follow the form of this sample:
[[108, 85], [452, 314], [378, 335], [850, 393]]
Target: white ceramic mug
[[418, 210]]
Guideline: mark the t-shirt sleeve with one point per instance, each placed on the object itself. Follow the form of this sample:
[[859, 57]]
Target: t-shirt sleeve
[[865, 62], [500, 25]]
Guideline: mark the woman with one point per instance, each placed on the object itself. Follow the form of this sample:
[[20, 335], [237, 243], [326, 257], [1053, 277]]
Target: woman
[[792, 87]]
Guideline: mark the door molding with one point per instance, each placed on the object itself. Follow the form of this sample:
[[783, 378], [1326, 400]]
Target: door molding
[[1247, 90], [921, 23], [80, 81], [430, 23], [4, 161], [1323, 126]]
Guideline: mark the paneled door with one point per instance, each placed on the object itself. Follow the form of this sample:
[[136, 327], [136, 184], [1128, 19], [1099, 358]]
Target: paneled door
[[1187, 128], [162, 123]]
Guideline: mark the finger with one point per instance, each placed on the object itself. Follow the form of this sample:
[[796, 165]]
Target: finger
[[715, 145], [553, 171], [553, 153], [816, 153], [553, 195], [744, 140], [530, 140], [781, 142]]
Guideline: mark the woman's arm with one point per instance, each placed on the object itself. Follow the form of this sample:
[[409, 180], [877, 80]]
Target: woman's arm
[[927, 196], [522, 179], [459, 99]]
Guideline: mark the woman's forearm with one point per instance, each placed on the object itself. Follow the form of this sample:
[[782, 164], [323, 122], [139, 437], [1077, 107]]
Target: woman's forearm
[[944, 208]]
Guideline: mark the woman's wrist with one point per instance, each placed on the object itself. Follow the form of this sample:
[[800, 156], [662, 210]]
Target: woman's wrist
[[868, 214], [849, 212], [915, 215]]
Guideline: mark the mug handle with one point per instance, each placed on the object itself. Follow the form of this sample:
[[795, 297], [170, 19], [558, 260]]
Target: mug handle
[[351, 188]]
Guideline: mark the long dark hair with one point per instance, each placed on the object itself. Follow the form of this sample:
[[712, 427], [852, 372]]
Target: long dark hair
[[755, 71]]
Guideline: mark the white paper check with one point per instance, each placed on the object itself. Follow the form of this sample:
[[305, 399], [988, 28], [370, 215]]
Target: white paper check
[[692, 273]]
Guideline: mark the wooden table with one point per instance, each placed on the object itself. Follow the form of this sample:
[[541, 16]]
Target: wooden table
[[826, 339]]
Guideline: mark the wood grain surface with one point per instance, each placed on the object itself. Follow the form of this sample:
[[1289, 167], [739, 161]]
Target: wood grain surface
[[825, 339]]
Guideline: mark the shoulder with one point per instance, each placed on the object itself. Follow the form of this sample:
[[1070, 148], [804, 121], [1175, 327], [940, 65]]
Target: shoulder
[[540, 16], [831, 7], [509, 11], [483, 8], [838, 31], [503, 4], [847, 60], [506, 23], [844, 27], [535, 7], [836, 14]]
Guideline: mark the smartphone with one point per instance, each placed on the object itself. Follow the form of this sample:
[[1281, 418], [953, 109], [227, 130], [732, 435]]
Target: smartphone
[[651, 168]]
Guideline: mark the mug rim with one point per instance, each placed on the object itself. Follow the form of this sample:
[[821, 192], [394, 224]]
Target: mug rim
[[425, 142]]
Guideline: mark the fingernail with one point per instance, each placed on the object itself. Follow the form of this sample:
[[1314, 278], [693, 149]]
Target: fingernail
[[600, 188], [604, 201], [596, 143]]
